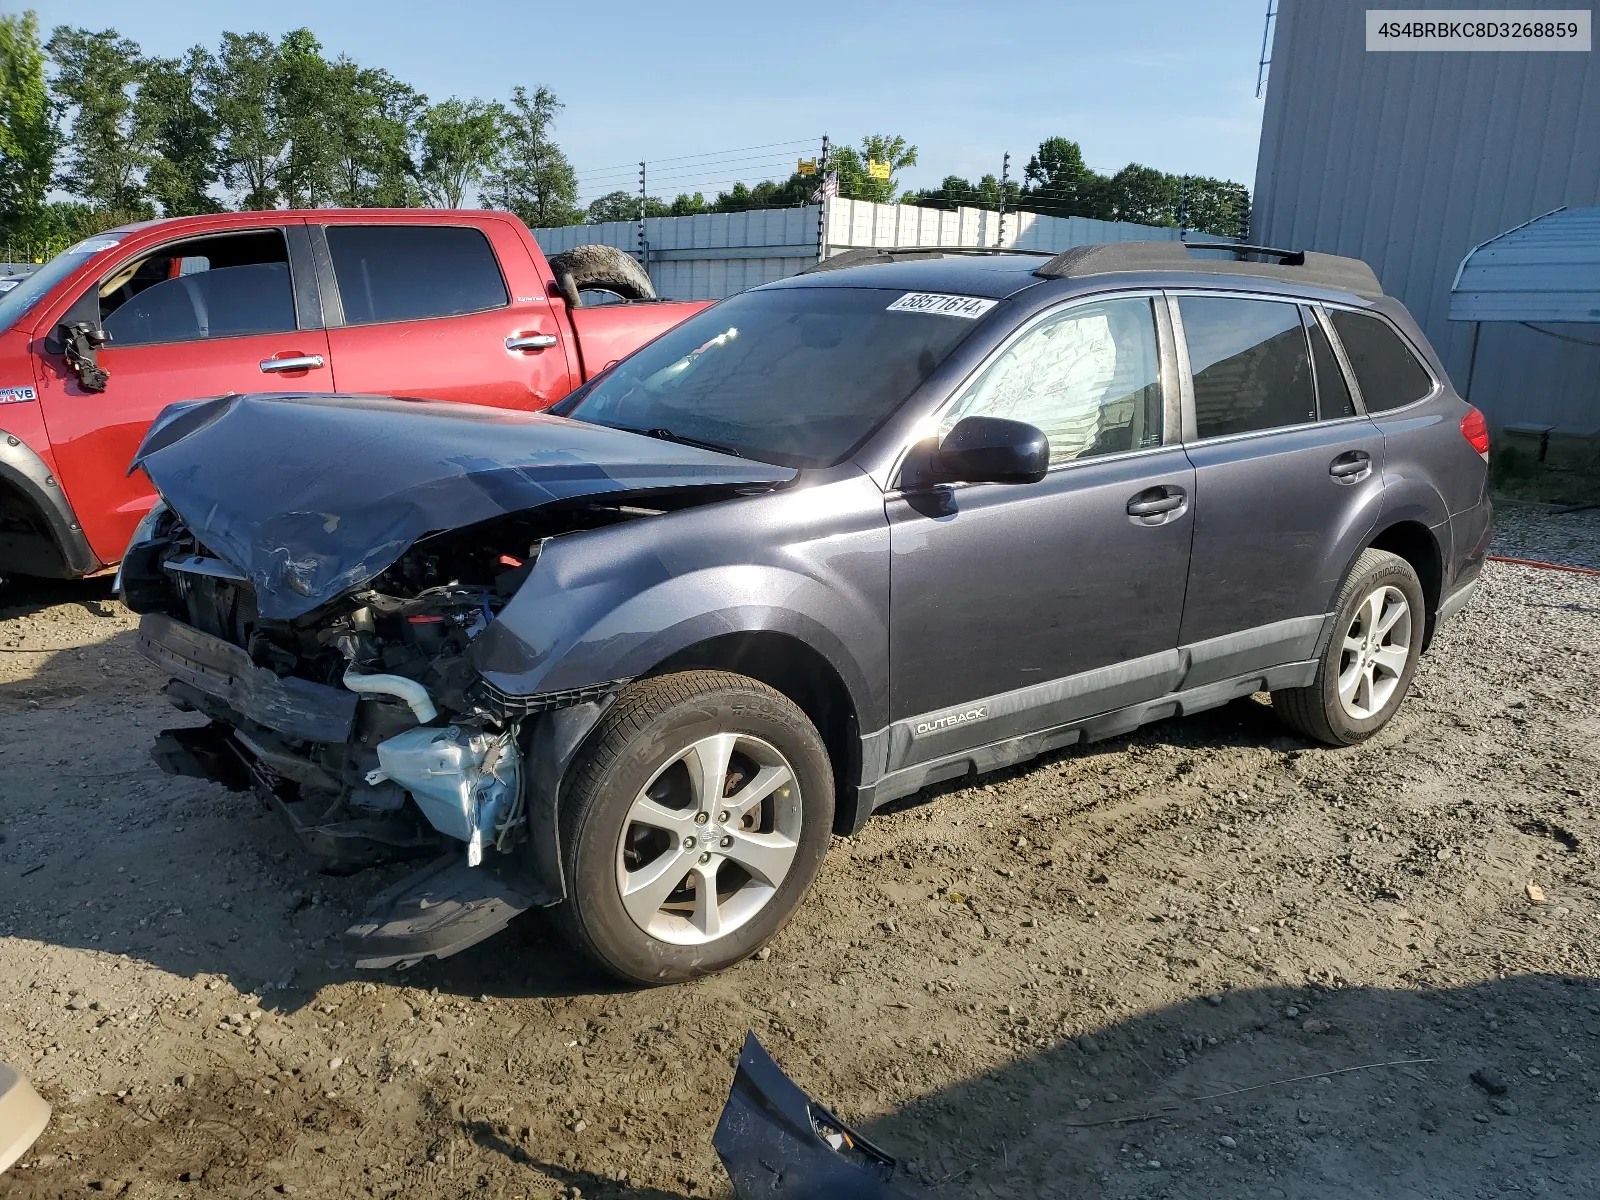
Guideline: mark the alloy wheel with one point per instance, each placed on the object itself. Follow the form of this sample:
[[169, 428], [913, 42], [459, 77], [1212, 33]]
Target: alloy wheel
[[709, 839], [1376, 648]]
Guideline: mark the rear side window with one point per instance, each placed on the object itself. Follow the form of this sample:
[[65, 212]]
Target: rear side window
[[1250, 362], [1388, 374], [1089, 377], [1333, 393], [411, 272]]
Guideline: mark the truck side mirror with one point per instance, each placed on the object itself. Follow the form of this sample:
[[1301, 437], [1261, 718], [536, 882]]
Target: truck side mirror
[[80, 343]]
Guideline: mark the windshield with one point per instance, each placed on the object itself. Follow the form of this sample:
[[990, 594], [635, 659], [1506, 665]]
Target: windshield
[[793, 376], [20, 299]]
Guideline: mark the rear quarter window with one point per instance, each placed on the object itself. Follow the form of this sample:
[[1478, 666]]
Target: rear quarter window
[[1387, 372], [413, 272]]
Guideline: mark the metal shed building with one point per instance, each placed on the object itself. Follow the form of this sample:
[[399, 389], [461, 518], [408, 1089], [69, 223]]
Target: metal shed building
[[1410, 160]]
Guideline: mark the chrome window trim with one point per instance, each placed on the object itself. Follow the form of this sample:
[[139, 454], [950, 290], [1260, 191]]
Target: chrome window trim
[[1153, 295], [1341, 358]]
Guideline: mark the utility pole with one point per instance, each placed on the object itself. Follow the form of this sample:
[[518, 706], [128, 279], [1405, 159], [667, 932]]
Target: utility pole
[[822, 208], [1005, 178], [1183, 207], [644, 246]]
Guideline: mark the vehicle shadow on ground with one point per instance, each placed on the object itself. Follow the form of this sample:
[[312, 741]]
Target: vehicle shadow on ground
[[1277, 1092]]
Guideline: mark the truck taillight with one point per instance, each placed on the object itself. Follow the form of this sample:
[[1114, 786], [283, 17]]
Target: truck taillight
[[1476, 430]]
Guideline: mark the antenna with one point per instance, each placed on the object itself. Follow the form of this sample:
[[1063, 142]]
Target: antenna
[[1266, 44]]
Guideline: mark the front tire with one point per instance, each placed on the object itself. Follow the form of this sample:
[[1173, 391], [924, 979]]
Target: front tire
[[692, 825], [1366, 668]]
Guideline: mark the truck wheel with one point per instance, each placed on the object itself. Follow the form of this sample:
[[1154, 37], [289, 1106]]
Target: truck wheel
[[600, 267], [1366, 667], [692, 824]]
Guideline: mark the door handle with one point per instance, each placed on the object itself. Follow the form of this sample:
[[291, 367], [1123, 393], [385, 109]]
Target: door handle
[[302, 362], [531, 341], [1356, 462], [1154, 501]]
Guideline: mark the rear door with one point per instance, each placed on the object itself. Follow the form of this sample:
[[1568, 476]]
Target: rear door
[[1288, 476], [230, 312], [446, 312]]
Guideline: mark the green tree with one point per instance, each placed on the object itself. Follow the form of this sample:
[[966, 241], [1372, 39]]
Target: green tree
[[27, 131], [372, 118], [1058, 183], [624, 206], [301, 89], [108, 146], [182, 135], [237, 87], [1143, 195], [1217, 206], [686, 205], [461, 141], [534, 178], [851, 164]]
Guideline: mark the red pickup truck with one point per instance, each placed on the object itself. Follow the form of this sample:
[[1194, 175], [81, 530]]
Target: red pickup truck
[[446, 305]]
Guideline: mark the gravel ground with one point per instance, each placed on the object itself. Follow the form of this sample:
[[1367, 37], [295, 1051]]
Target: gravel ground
[[1208, 959]]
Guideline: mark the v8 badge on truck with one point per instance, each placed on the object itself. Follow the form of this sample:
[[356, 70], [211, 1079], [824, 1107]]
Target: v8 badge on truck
[[17, 395]]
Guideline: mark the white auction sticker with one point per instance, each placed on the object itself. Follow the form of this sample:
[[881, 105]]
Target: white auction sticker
[[1478, 29], [968, 307]]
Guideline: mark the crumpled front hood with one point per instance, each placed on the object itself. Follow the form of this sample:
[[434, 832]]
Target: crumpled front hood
[[313, 495]]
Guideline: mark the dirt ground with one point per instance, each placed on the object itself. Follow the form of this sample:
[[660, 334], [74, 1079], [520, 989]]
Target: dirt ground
[[1208, 959]]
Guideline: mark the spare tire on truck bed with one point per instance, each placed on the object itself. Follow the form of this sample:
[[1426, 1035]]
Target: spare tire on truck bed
[[600, 267]]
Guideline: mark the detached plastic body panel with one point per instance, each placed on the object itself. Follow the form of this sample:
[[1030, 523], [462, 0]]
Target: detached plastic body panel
[[778, 1142]]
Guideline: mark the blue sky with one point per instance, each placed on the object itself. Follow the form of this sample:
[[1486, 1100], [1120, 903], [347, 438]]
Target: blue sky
[[1164, 83]]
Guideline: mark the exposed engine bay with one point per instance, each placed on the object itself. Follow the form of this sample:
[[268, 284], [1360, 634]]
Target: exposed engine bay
[[315, 583], [361, 722]]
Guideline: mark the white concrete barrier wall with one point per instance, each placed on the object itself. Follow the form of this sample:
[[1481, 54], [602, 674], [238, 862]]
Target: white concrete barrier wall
[[713, 255]]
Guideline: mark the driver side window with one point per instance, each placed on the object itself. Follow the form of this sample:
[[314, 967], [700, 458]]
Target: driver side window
[[200, 290], [1089, 377]]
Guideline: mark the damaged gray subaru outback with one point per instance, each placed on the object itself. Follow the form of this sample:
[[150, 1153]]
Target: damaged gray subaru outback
[[903, 518]]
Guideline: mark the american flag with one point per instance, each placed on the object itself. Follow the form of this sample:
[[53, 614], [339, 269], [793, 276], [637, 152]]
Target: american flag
[[828, 187]]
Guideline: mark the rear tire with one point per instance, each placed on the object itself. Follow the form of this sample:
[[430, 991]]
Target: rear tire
[[692, 825], [1371, 654]]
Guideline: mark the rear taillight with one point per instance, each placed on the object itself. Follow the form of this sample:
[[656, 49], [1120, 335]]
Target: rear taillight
[[1476, 430]]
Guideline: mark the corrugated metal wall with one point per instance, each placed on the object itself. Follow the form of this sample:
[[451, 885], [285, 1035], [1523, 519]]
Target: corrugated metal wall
[[716, 254], [1409, 160]]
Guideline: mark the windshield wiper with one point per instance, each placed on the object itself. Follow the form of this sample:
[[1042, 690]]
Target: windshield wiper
[[666, 435]]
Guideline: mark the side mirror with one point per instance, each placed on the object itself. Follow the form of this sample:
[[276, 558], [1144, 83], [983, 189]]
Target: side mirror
[[993, 450]]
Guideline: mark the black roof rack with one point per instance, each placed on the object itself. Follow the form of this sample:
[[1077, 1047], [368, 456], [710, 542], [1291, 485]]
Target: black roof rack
[[867, 255], [1292, 266]]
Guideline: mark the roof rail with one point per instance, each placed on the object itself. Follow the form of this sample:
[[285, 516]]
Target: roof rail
[[868, 255], [1293, 266]]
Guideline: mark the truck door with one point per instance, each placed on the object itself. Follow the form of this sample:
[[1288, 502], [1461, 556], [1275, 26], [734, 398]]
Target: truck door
[[192, 318], [442, 312]]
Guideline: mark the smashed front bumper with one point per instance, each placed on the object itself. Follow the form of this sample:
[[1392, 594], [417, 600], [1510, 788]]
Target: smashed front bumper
[[258, 720]]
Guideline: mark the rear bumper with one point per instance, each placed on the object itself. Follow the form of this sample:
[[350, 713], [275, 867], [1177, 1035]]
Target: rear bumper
[[296, 708]]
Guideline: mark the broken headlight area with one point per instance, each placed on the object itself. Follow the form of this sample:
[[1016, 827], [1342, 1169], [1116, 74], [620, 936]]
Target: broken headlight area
[[362, 722]]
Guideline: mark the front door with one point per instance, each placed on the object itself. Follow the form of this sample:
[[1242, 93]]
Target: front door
[[1287, 478], [1017, 607], [187, 320]]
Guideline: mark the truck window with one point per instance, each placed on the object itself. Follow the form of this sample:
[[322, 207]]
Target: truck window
[[199, 290], [412, 272]]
